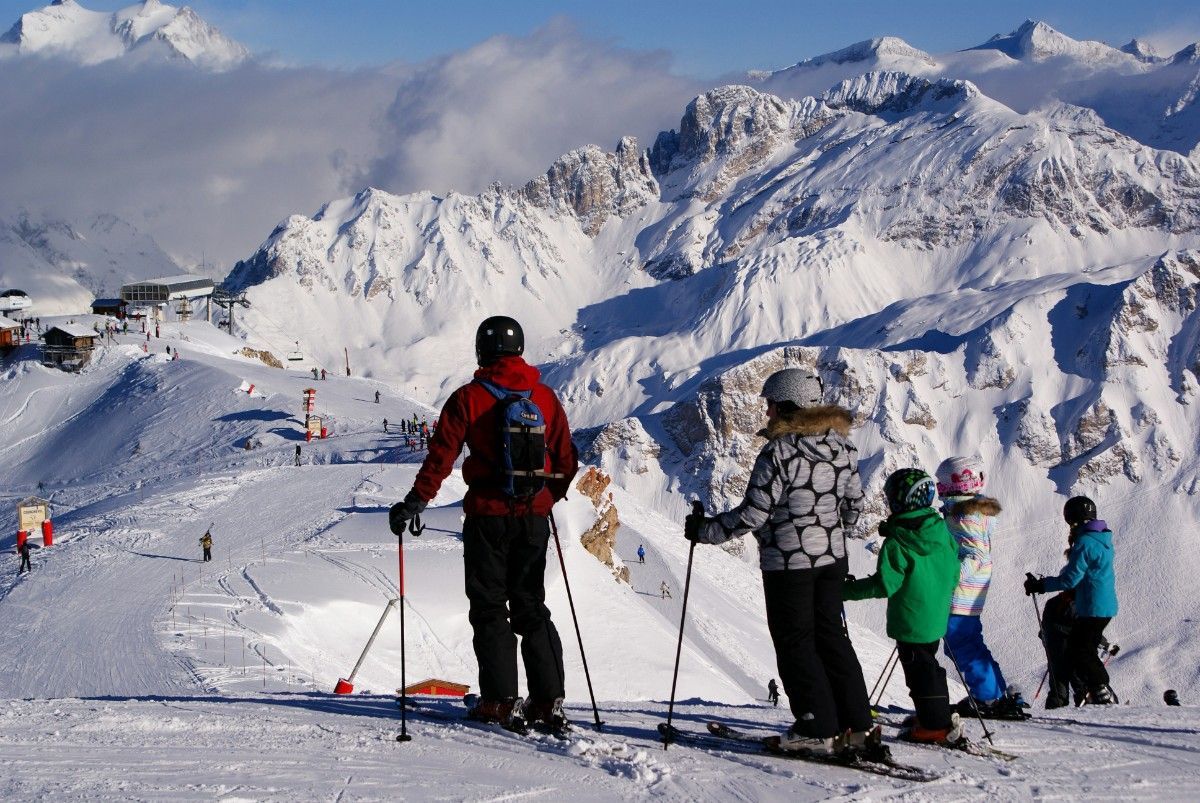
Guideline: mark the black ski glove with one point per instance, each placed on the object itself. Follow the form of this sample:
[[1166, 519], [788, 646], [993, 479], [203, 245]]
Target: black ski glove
[[693, 522], [401, 512], [1034, 585]]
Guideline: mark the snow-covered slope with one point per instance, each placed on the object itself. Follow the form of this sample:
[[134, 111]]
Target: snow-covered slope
[[170, 677], [63, 265], [148, 29]]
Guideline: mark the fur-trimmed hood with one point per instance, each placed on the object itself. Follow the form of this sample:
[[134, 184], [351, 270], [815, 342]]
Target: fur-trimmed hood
[[809, 421], [982, 505]]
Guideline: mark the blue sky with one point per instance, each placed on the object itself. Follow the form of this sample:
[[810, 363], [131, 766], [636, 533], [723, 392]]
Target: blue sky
[[702, 37]]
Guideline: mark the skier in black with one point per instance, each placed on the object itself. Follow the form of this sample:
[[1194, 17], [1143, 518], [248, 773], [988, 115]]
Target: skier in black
[[505, 534], [773, 692], [377, 397], [385, 429], [297, 454], [26, 566]]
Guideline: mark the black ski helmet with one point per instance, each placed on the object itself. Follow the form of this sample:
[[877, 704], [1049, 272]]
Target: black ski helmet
[[1079, 510], [909, 489], [498, 336]]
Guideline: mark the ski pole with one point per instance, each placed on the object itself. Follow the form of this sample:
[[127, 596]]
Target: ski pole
[[403, 737], [578, 636], [1045, 675], [889, 664], [886, 681], [1042, 638], [986, 733], [697, 509]]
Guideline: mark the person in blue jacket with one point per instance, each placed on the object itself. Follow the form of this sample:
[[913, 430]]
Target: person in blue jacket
[[641, 554], [1089, 572]]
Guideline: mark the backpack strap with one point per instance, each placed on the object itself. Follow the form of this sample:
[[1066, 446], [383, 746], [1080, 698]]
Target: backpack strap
[[503, 393]]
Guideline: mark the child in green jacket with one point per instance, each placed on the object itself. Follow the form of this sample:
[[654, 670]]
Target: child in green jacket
[[918, 572]]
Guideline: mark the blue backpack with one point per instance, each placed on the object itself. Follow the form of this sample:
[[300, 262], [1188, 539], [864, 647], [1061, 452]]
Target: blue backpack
[[522, 442]]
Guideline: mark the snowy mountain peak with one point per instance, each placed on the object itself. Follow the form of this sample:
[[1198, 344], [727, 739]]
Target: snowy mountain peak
[[594, 185], [1037, 41], [883, 92], [1142, 51], [1188, 55], [878, 48], [148, 29]]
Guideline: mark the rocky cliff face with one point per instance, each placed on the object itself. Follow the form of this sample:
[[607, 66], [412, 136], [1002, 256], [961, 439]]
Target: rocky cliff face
[[593, 185], [600, 539]]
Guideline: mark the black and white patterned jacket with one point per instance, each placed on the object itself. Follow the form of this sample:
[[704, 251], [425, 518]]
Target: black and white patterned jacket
[[804, 492]]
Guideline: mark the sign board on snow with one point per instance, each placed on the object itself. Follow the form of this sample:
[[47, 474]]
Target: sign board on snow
[[31, 512]]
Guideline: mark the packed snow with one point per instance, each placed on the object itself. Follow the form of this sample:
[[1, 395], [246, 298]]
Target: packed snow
[[138, 671]]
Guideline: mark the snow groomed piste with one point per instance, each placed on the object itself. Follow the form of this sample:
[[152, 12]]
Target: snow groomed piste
[[176, 666]]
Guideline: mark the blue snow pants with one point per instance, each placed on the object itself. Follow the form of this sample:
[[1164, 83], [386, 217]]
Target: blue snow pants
[[965, 646]]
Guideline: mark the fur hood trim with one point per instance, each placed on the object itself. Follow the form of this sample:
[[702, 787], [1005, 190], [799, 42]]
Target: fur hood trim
[[984, 505], [809, 421]]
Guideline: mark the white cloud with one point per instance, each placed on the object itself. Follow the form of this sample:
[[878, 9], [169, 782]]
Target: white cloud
[[507, 107], [210, 163]]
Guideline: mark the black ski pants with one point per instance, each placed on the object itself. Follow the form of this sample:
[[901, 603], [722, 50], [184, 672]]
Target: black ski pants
[[505, 561], [208, 553], [926, 683], [817, 664], [1083, 647], [26, 566], [1058, 618]]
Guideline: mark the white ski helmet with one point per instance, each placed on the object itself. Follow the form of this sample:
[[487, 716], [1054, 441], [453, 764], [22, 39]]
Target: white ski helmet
[[799, 386]]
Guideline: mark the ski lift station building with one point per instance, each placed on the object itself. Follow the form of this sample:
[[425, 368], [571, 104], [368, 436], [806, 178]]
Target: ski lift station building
[[158, 293]]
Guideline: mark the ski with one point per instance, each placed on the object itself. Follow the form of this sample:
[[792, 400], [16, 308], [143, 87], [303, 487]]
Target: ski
[[723, 737]]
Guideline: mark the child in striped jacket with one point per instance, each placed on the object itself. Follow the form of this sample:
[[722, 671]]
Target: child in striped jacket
[[970, 516]]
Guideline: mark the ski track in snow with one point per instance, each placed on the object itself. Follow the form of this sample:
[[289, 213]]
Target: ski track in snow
[[134, 671]]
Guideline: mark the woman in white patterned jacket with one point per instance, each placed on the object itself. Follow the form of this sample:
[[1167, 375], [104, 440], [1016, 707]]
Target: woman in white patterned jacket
[[804, 493]]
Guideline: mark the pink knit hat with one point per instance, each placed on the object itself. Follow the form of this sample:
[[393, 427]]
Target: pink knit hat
[[960, 476]]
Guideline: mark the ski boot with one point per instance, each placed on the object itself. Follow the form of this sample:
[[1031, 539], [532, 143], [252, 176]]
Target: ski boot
[[547, 716], [946, 737], [791, 742], [1101, 695], [507, 713], [865, 745]]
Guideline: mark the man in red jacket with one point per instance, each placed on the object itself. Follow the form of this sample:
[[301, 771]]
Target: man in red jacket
[[504, 537]]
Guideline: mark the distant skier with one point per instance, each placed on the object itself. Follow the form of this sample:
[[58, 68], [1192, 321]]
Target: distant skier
[[385, 426], [917, 573], [1089, 571], [641, 554], [804, 495], [23, 550], [773, 693], [377, 397], [970, 516], [314, 373], [665, 590], [297, 454], [206, 543], [322, 374]]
